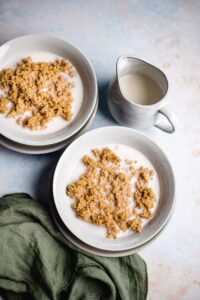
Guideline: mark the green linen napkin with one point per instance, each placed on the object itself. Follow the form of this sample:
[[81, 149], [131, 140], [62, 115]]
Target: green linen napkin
[[36, 262]]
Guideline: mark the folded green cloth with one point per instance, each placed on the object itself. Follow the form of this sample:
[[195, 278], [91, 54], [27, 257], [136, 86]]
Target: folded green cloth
[[36, 262]]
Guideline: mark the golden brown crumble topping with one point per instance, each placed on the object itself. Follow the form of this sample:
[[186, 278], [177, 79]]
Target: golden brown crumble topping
[[41, 89], [103, 195]]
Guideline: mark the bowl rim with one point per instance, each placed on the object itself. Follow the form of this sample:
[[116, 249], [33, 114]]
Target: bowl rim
[[68, 235], [121, 128], [33, 150], [94, 96]]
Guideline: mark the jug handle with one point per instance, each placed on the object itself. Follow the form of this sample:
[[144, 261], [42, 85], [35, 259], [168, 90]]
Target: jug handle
[[170, 116]]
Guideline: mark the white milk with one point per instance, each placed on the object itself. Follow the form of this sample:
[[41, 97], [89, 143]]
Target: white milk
[[124, 152], [57, 123], [140, 89]]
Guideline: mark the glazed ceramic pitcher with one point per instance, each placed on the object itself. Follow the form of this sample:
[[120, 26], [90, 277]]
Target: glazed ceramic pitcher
[[135, 115]]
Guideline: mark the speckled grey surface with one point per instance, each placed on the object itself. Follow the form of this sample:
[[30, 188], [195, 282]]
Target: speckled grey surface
[[167, 34]]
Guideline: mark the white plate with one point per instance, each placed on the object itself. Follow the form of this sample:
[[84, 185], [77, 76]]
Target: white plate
[[69, 168], [45, 149], [75, 242], [44, 47]]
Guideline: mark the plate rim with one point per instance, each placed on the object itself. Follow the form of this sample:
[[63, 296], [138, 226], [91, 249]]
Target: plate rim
[[77, 243], [130, 131], [55, 140], [52, 148]]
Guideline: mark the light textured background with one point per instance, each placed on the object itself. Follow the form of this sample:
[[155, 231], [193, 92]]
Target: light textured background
[[167, 34]]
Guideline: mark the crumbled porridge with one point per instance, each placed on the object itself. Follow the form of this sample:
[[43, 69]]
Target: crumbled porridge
[[104, 194], [37, 92]]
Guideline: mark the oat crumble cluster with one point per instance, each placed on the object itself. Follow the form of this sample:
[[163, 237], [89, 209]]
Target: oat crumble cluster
[[39, 89], [103, 194]]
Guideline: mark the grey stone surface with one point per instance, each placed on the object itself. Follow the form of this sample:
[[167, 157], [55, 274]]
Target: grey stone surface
[[167, 34]]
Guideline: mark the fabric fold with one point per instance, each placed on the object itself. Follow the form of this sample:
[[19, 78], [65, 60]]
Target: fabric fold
[[37, 262]]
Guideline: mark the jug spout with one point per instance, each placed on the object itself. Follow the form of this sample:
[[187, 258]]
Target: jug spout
[[125, 64]]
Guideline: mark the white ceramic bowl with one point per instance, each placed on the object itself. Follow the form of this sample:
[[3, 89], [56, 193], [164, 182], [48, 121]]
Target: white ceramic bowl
[[31, 45], [76, 243], [93, 235], [37, 150]]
